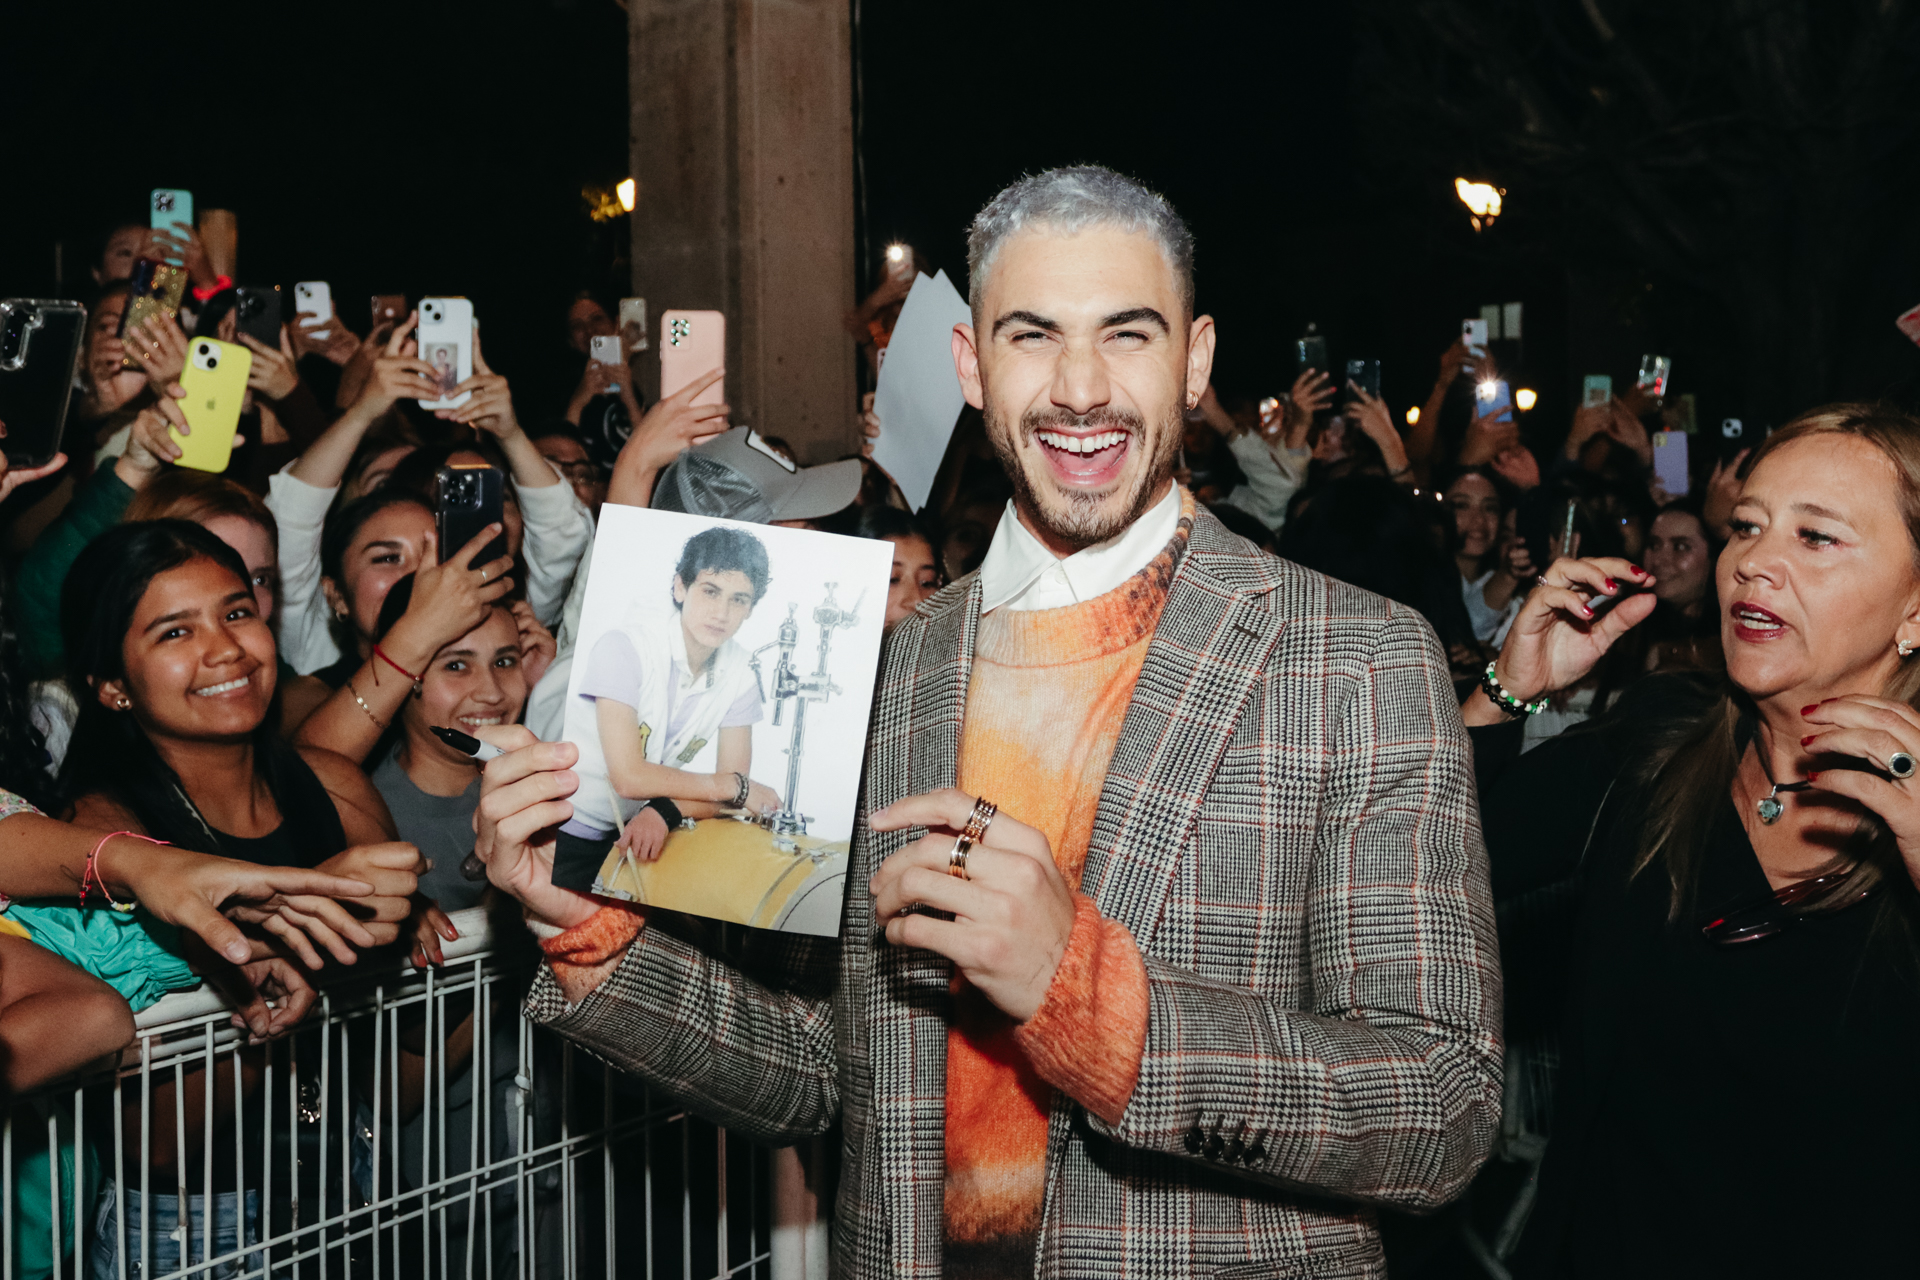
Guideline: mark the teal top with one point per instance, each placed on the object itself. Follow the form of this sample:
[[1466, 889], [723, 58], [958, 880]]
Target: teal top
[[130, 951]]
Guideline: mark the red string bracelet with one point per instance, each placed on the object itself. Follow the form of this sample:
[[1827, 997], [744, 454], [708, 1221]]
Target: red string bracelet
[[91, 876], [381, 654]]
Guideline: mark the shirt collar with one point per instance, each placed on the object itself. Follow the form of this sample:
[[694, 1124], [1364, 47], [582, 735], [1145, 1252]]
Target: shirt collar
[[1020, 571]]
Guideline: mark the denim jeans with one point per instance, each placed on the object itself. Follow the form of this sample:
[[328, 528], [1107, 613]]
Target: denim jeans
[[167, 1244]]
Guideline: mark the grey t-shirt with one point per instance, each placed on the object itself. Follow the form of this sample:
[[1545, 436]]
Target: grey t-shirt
[[441, 827]]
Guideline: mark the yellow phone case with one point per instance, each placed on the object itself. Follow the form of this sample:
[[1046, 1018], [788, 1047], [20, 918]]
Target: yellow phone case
[[215, 381]]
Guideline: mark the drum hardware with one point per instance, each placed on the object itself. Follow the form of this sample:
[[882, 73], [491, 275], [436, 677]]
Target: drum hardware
[[790, 685]]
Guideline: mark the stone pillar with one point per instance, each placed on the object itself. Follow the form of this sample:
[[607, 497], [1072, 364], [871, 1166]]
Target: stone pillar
[[742, 146]]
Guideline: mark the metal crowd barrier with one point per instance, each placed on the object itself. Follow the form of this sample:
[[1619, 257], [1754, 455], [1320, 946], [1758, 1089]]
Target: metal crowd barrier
[[353, 1147]]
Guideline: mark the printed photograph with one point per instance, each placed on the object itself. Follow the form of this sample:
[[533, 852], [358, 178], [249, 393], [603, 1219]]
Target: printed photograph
[[719, 699], [445, 359]]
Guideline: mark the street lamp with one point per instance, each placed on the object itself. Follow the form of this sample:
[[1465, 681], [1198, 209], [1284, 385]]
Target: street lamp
[[1482, 199]]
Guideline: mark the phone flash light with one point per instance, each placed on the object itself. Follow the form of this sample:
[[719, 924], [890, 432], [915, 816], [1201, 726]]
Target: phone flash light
[[896, 253], [1524, 399], [1413, 420], [625, 191], [1484, 391]]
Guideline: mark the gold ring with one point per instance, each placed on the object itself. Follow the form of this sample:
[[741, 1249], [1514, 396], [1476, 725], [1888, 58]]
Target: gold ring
[[979, 820], [957, 860]]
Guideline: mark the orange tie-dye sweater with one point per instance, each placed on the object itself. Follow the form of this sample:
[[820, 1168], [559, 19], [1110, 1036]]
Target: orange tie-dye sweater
[[1050, 688]]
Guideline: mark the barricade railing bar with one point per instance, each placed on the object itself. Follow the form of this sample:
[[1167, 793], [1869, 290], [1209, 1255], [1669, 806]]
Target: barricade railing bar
[[414, 1127]]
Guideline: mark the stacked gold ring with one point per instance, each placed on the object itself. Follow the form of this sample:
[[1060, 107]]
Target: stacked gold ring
[[979, 820], [957, 860]]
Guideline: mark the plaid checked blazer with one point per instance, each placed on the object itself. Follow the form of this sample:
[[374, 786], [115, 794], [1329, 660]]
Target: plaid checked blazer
[[1288, 828]]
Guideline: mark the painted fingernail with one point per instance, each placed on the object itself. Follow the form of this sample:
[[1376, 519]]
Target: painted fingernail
[[1586, 610], [1809, 738], [1809, 709], [1813, 775], [1638, 571], [1612, 585]]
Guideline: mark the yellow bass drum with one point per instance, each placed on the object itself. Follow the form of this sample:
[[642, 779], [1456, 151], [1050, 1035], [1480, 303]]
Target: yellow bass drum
[[733, 870]]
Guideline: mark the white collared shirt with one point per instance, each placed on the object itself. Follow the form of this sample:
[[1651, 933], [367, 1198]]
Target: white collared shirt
[[1020, 573]]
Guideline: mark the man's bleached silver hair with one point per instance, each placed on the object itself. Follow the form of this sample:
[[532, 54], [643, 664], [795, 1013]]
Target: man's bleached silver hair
[[1071, 200]]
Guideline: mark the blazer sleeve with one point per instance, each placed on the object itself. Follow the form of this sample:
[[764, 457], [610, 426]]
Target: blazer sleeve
[[1387, 1088], [747, 1043]]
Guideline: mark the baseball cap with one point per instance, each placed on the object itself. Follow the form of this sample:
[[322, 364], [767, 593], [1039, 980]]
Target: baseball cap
[[738, 476]]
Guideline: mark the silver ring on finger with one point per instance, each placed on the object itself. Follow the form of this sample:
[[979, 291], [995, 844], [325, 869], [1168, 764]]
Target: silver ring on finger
[[483, 577], [1900, 765], [957, 860], [1540, 580]]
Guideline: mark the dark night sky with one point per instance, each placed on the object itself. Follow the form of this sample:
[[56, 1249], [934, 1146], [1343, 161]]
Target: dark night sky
[[441, 147]]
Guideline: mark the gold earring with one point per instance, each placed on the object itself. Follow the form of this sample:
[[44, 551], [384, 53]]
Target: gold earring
[[124, 704]]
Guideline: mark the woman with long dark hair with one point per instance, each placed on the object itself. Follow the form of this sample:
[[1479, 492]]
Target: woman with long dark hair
[[1740, 1001], [176, 673]]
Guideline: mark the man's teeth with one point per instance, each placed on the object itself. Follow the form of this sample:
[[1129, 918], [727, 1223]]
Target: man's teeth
[[228, 687], [1080, 444]]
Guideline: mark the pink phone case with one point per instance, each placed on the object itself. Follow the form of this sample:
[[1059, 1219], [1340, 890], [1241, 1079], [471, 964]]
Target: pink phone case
[[692, 343]]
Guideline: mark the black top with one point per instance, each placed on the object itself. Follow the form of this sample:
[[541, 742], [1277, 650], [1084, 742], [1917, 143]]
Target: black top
[[309, 832], [1740, 1110]]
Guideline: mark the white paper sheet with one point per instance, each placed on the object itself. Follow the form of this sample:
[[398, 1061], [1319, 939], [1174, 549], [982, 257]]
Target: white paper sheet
[[919, 398]]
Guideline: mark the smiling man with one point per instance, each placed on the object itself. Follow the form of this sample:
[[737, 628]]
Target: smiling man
[[1218, 974]]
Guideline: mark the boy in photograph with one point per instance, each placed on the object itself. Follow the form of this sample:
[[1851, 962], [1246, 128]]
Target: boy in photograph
[[654, 694]]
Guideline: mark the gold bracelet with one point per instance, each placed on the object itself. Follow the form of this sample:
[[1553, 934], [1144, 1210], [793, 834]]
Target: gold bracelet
[[378, 723]]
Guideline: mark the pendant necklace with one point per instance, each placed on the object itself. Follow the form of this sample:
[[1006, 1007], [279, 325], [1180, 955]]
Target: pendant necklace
[[1769, 806]]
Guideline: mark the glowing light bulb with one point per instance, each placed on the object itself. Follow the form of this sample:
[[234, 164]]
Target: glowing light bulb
[[1413, 419], [625, 192], [1524, 399], [896, 253], [1483, 201]]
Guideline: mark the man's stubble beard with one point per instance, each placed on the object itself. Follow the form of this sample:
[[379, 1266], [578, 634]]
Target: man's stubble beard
[[1078, 518]]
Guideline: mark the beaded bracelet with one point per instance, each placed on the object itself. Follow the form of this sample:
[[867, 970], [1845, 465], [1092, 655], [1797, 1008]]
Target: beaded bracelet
[[1497, 693], [91, 876]]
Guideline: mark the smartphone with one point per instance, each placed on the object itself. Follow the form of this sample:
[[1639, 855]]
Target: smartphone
[[215, 381], [445, 334], [1270, 415], [900, 263], [388, 308], [1310, 351], [692, 343], [1909, 324], [41, 340], [1365, 374], [170, 209], [633, 324], [1653, 375], [606, 350], [1602, 605], [466, 500], [1670, 462], [258, 313], [316, 298], [1596, 391], [1491, 395], [1474, 331], [153, 288]]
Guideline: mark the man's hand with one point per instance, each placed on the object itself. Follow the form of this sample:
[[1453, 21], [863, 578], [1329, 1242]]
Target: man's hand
[[644, 836], [523, 801], [272, 373], [1011, 916]]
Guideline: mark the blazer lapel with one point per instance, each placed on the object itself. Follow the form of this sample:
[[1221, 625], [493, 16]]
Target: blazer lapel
[[912, 989], [1208, 651]]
